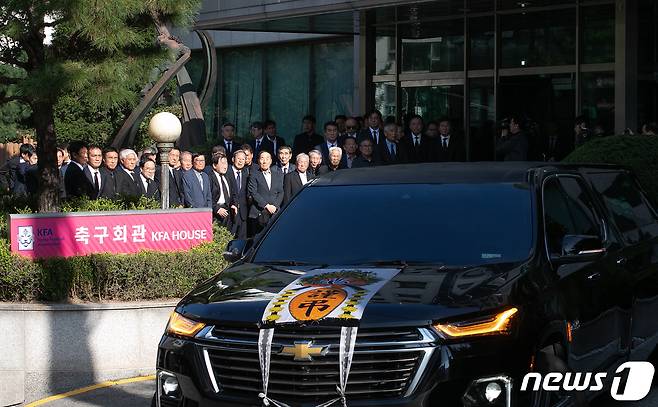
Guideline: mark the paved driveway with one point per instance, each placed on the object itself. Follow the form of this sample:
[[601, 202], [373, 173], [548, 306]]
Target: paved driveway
[[139, 395]]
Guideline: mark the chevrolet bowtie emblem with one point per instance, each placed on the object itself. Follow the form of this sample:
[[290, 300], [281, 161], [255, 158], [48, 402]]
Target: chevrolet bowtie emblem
[[304, 350]]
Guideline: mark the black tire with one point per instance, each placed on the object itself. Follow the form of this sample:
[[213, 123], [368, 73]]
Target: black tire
[[553, 358]]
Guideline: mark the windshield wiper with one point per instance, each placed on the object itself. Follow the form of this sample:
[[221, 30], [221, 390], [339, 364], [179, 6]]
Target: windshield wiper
[[401, 263]]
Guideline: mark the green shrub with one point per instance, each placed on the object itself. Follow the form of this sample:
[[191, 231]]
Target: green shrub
[[637, 152], [146, 275]]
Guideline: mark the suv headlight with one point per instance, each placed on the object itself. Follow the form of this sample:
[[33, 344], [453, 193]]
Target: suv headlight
[[181, 326], [500, 323]]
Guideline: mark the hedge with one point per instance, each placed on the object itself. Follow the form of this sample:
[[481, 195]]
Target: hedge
[[147, 275], [637, 152]]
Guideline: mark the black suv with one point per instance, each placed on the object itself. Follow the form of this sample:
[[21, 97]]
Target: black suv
[[505, 269]]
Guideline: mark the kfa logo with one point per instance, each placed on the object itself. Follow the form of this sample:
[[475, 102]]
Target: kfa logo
[[631, 382], [25, 238]]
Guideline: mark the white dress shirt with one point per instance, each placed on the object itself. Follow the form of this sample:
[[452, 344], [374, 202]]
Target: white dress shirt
[[144, 182], [222, 199], [303, 177], [268, 178]]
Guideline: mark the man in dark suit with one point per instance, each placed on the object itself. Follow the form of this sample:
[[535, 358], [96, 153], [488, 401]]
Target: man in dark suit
[[330, 140], [390, 151], [196, 184], [367, 157], [94, 171], [224, 209], [270, 134], [16, 168], [417, 146], [229, 142], [315, 166], [76, 182], [448, 147], [176, 193], [260, 142], [238, 176], [374, 130], [336, 159], [148, 185], [307, 139], [294, 181], [285, 154], [351, 131], [266, 190], [127, 176], [108, 173]]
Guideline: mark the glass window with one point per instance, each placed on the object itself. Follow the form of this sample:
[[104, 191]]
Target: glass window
[[566, 213], [482, 119], [482, 43], [520, 4], [539, 38], [474, 6], [470, 235], [629, 207], [242, 80], [598, 37], [385, 54], [435, 102], [433, 47], [598, 100], [428, 10], [333, 80], [287, 88], [385, 98]]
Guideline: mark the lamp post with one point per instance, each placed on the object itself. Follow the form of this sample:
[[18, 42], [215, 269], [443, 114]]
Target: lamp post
[[164, 129]]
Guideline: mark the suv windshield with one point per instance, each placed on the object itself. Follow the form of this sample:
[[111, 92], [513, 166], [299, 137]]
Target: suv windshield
[[451, 224]]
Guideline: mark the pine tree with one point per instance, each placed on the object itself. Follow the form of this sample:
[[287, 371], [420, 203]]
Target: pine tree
[[102, 51]]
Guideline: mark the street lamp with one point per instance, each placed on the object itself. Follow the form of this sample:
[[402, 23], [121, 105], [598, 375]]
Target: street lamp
[[164, 129]]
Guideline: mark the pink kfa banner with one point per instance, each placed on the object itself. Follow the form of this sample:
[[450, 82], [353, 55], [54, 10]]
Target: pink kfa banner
[[81, 233]]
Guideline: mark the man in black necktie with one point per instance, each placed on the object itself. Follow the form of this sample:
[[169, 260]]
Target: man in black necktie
[[101, 180], [238, 177], [260, 142], [230, 143], [415, 144], [389, 151], [108, 171], [224, 207], [269, 128], [266, 189], [285, 154], [150, 187], [373, 130], [448, 146], [295, 181], [77, 182], [127, 177], [330, 140]]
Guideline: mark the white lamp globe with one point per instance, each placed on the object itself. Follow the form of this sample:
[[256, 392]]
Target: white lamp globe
[[164, 127]]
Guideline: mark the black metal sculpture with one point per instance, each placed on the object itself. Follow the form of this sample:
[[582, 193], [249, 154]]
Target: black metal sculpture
[[192, 99]]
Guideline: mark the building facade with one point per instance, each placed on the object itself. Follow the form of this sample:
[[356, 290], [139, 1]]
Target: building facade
[[473, 61]]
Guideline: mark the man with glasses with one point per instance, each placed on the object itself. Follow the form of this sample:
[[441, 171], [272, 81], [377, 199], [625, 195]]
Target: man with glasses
[[367, 158], [196, 184], [351, 131]]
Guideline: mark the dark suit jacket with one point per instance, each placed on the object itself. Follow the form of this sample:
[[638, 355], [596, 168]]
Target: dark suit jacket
[[322, 169], [417, 154], [16, 171], [108, 183], [456, 149], [77, 183], [275, 146], [264, 145], [216, 190], [176, 193], [305, 142], [292, 184], [366, 133], [125, 185], [241, 194], [291, 168], [153, 190], [322, 147], [235, 145], [386, 158], [360, 162], [261, 194], [195, 197], [103, 178]]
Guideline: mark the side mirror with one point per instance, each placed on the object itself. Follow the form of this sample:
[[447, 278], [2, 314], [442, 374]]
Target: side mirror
[[235, 250], [579, 248]]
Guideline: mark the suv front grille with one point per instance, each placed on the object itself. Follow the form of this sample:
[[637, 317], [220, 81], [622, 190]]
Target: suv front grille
[[387, 363]]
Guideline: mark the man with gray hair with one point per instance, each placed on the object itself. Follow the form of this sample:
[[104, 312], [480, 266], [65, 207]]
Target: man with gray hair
[[335, 159], [127, 176], [315, 164], [185, 161], [390, 151], [295, 180]]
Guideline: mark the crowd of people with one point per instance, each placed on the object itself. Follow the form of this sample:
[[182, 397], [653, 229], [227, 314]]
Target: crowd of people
[[247, 182]]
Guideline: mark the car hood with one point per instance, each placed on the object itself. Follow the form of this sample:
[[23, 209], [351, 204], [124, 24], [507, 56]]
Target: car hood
[[415, 296]]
